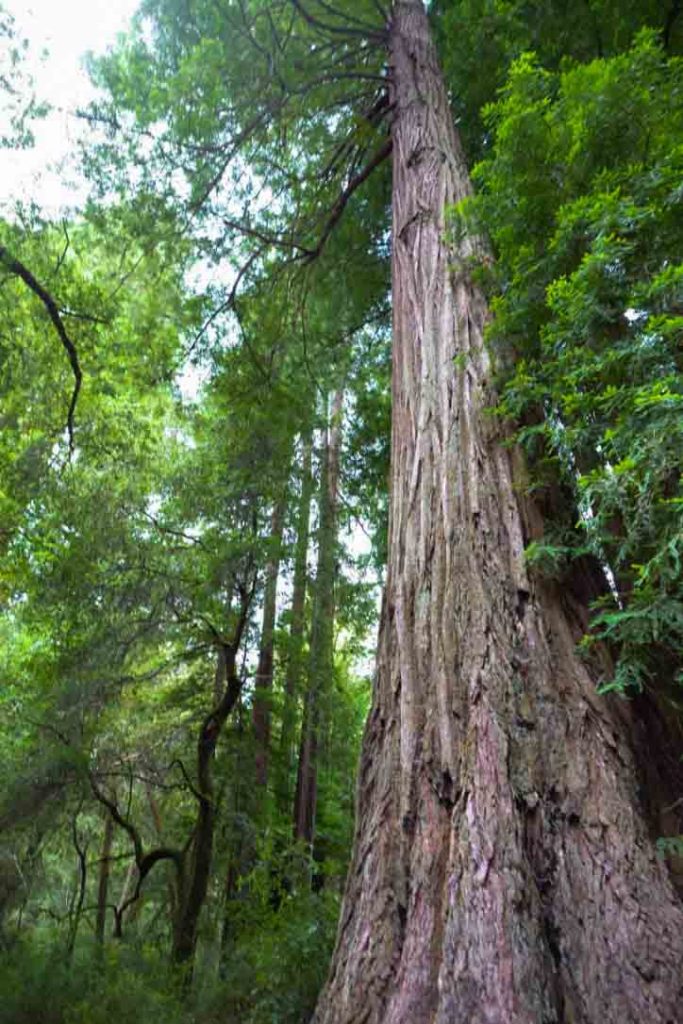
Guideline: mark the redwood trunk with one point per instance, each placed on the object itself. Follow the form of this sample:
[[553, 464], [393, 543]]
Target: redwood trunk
[[502, 868], [264, 670], [294, 670], [322, 635]]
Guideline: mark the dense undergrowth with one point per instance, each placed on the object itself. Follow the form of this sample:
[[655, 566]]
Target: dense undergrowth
[[274, 966]]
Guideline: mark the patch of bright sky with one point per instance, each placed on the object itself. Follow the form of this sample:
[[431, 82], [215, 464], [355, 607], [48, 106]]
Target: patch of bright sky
[[60, 33]]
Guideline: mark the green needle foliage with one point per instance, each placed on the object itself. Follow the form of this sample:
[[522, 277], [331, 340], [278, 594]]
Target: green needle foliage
[[581, 197]]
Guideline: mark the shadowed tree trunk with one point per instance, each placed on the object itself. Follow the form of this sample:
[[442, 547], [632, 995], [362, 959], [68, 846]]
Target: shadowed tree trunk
[[295, 664], [197, 873], [502, 868], [264, 670], [78, 899], [192, 863], [103, 879], [322, 633]]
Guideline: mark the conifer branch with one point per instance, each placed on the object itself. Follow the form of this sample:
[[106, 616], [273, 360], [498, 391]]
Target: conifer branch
[[348, 31], [340, 205]]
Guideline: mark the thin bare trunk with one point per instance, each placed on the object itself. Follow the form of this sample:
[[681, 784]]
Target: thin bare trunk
[[103, 879], [264, 671], [502, 872], [295, 661], [76, 908], [197, 873], [322, 633]]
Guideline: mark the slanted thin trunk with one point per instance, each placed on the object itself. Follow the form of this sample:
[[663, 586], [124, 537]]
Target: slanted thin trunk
[[103, 879], [322, 633], [502, 870], [295, 661], [264, 670]]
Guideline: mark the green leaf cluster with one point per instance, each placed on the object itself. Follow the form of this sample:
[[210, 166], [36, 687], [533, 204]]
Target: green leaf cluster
[[581, 198]]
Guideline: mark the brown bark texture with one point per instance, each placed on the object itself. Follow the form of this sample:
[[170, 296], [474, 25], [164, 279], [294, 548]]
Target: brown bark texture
[[503, 872], [322, 633]]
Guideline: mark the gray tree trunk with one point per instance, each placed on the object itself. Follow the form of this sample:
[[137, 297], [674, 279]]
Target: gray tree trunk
[[502, 869]]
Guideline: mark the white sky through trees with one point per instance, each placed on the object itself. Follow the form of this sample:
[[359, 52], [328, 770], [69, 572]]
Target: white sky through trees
[[59, 32]]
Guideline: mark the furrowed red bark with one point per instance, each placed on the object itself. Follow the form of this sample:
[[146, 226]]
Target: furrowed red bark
[[322, 634], [502, 871]]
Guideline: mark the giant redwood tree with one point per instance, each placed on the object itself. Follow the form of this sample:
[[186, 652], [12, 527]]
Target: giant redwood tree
[[502, 870], [503, 867]]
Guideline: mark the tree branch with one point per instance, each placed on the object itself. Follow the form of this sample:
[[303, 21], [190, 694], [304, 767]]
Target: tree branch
[[143, 861], [340, 205], [16, 267], [373, 35]]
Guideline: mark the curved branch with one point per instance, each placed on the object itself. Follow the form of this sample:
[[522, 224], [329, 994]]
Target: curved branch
[[143, 861], [340, 205], [148, 861], [16, 267]]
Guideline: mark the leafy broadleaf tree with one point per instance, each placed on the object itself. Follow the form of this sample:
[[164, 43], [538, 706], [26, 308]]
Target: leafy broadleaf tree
[[494, 784]]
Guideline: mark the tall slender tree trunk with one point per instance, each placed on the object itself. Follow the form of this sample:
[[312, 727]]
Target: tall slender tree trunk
[[502, 869], [103, 878], [295, 665], [264, 670], [322, 633]]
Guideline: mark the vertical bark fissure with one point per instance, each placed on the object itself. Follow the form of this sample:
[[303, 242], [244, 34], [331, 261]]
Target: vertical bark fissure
[[502, 869]]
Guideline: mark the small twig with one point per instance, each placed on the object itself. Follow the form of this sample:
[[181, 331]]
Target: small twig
[[190, 785], [89, 317], [67, 243]]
